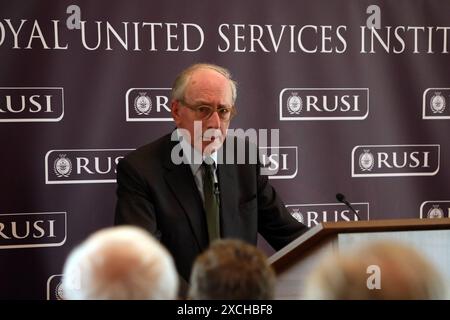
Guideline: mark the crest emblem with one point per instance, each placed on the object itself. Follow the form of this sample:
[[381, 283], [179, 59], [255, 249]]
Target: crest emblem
[[366, 160], [437, 103], [294, 103], [62, 166], [297, 215], [59, 293], [142, 104], [435, 212]]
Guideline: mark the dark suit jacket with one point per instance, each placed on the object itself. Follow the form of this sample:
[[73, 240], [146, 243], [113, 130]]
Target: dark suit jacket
[[162, 197]]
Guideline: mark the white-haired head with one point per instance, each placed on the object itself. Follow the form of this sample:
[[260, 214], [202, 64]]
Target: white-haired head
[[399, 271], [120, 263], [182, 80]]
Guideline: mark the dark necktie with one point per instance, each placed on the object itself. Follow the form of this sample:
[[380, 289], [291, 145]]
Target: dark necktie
[[211, 202]]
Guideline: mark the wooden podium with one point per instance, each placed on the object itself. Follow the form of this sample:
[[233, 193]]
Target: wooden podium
[[294, 262]]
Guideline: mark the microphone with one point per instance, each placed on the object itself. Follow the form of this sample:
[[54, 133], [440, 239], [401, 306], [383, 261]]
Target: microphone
[[216, 189], [341, 198], [216, 192]]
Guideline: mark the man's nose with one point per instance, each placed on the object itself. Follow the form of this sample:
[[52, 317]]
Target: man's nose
[[213, 121]]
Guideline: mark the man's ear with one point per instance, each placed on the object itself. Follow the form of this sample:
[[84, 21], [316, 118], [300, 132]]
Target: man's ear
[[175, 111]]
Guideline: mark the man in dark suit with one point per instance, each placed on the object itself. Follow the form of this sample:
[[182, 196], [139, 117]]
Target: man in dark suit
[[187, 205]]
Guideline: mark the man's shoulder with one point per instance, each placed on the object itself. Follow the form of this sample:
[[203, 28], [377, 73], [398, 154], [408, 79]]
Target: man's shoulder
[[151, 152]]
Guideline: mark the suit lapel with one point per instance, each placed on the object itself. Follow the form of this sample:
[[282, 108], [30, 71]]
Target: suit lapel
[[182, 183], [229, 211]]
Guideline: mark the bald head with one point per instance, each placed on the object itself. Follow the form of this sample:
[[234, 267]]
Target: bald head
[[123, 263], [403, 273], [198, 71]]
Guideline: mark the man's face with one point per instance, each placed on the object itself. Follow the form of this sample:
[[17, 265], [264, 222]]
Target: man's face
[[210, 88]]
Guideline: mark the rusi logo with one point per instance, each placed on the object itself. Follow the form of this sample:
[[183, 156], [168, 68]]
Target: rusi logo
[[324, 104], [435, 103], [54, 287], [31, 104], [395, 160], [282, 161], [82, 165], [33, 230], [148, 104], [313, 214], [435, 209]]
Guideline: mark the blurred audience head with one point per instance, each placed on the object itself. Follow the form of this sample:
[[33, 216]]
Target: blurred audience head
[[120, 263], [377, 271], [232, 270]]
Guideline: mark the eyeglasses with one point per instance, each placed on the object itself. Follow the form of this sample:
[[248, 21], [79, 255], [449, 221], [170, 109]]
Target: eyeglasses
[[204, 111]]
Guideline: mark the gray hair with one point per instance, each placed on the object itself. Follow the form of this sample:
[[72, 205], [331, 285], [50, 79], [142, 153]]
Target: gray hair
[[232, 270], [120, 263], [405, 274], [181, 81]]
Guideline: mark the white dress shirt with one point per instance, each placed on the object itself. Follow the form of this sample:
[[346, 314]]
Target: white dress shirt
[[195, 163]]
